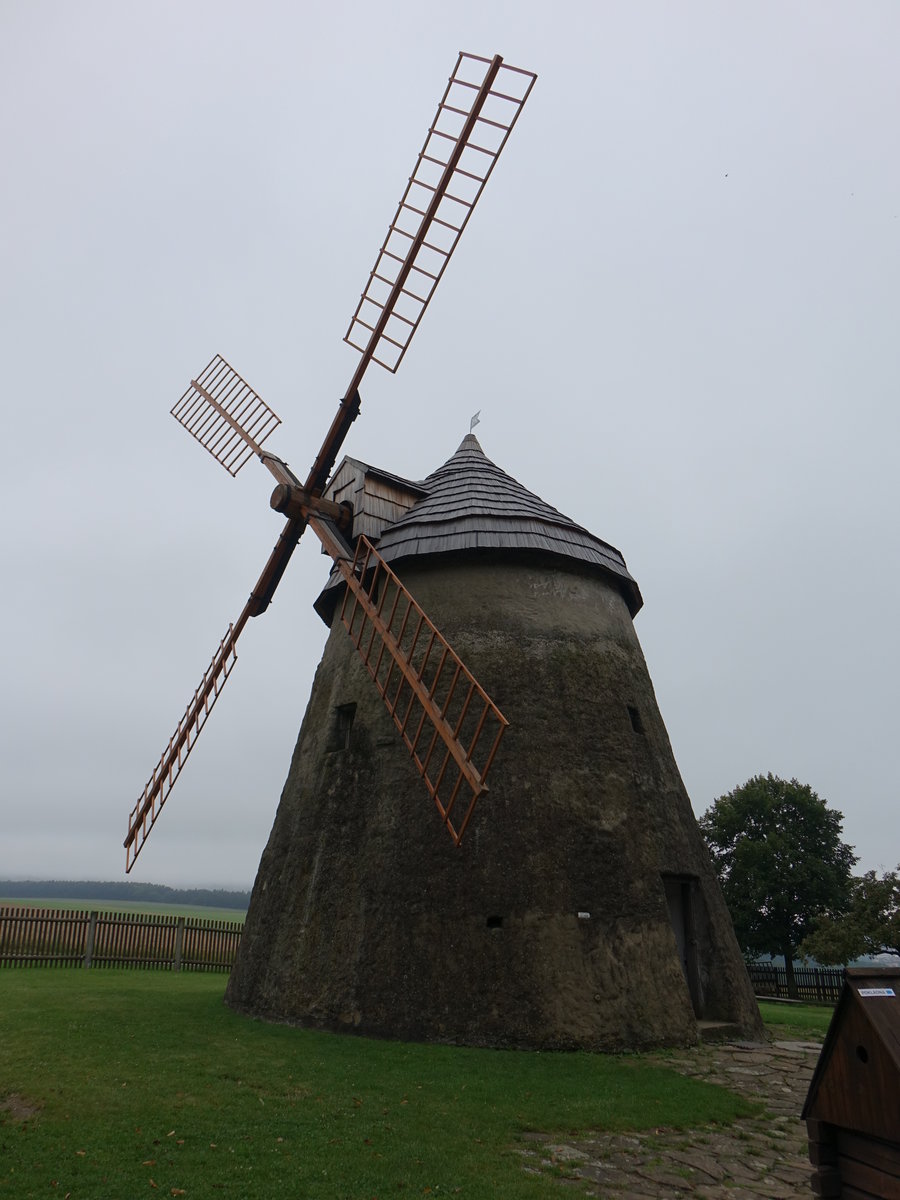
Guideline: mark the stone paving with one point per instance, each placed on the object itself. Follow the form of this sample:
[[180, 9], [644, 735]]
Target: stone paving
[[758, 1158]]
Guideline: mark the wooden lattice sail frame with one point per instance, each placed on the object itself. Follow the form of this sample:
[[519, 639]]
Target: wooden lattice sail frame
[[474, 119], [225, 415], [450, 726]]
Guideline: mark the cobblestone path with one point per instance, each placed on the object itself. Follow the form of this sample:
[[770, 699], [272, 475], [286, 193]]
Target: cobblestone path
[[760, 1158]]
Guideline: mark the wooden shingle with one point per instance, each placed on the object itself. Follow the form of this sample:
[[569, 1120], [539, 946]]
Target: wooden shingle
[[468, 505]]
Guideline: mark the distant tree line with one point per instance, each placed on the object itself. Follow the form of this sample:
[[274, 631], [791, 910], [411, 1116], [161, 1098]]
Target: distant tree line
[[150, 893]]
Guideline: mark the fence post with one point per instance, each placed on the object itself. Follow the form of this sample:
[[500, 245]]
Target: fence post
[[89, 942], [179, 943]]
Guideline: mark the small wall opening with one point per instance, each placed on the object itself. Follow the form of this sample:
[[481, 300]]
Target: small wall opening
[[494, 922], [341, 726], [636, 723]]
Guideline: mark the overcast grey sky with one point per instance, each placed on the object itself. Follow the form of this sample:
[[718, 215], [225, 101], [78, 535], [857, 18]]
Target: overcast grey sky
[[676, 306]]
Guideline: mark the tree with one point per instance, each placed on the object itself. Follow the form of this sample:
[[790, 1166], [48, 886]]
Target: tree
[[870, 926], [778, 852]]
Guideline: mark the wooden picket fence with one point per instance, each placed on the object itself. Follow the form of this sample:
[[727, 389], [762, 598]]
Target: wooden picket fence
[[816, 985], [44, 937]]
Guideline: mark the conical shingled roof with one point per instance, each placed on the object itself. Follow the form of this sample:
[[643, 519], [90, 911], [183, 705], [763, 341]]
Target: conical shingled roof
[[472, 505]]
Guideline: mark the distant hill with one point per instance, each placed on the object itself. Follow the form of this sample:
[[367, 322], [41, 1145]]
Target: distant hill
[[152, 893]]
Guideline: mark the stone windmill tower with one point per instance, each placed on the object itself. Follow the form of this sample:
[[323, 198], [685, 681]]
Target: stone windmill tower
[[582, 909]]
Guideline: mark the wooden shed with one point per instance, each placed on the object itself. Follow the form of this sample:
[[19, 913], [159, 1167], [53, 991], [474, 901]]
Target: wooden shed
[[852, 1110]]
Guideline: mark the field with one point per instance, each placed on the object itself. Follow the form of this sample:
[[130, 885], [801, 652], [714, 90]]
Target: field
[[128, 906], [116, 1083], [800, 1021]]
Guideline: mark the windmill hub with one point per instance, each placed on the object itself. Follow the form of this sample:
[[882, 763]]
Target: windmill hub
[[296, 502]]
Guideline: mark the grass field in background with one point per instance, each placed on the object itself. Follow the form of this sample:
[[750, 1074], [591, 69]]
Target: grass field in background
[[129, 906], [801, 1021], [120, 1083]]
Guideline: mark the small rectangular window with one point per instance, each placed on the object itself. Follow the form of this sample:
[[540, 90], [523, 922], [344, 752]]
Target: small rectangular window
[[341, 726]]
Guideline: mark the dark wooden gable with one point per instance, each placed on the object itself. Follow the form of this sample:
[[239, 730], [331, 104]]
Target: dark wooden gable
[[856, 1084]]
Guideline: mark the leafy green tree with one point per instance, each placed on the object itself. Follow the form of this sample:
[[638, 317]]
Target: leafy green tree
[[778, 852], [870, 926]]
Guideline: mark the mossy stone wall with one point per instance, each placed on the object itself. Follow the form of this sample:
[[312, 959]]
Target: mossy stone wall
[[549, 926]]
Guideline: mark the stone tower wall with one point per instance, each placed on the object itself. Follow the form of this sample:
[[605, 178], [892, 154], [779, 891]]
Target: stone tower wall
[[364, 915]]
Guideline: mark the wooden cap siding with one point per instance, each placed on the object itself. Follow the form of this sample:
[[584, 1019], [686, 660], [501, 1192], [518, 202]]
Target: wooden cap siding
[[468, 505], [378, 497]]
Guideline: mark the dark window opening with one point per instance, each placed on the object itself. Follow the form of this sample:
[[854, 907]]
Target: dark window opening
[[340, 730], [636, 723], [495, 922]]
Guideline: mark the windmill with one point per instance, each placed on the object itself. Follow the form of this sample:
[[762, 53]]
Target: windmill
[[449, 725], [586, 912]]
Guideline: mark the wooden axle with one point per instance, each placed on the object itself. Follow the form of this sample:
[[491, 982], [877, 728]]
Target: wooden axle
[[296, 502]]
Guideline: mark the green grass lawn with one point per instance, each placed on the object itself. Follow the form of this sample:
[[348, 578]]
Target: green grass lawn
[[796, 1021], [128, 906], [116, 1084]]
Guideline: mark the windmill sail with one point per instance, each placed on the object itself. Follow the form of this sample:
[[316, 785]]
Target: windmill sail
[[225, 415], [181, 743], [476, 114], [159, 785], [474, 118], [449, 724]]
